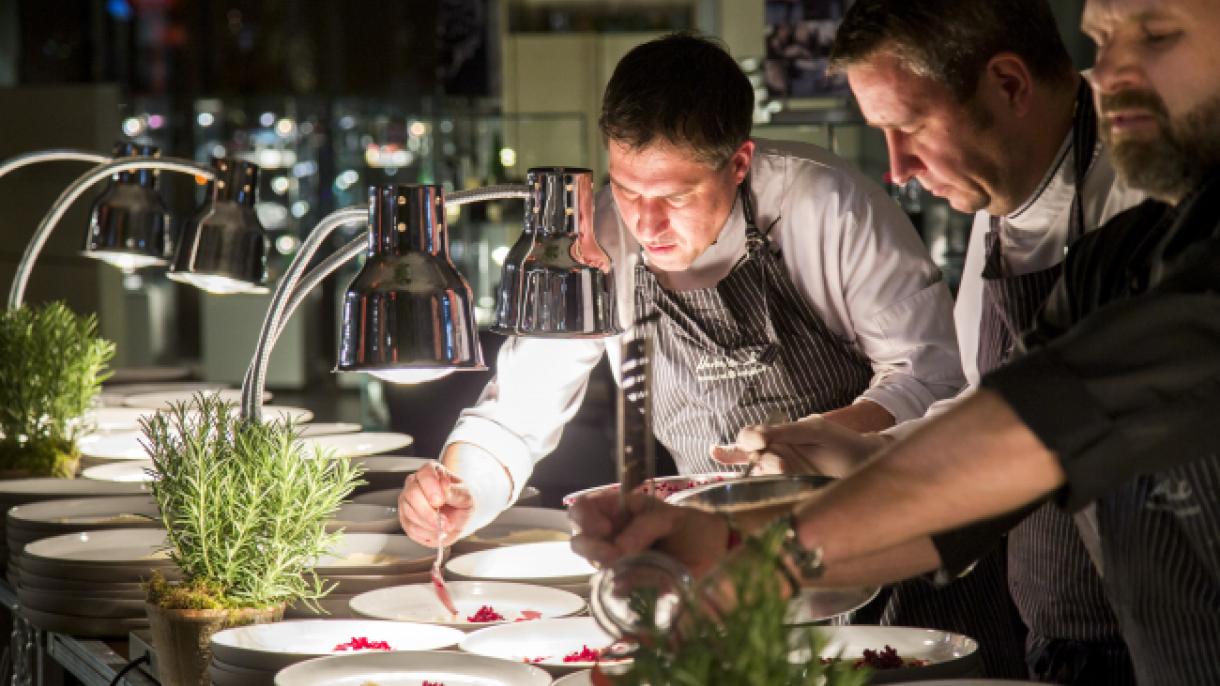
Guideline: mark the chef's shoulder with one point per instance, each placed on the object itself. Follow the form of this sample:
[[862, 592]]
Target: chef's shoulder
[[807, 182]]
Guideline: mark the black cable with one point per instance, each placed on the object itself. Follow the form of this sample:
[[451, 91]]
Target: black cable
[[127, 668]]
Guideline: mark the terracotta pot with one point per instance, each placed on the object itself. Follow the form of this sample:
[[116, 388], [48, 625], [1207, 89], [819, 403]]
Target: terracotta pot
[[182, 638]]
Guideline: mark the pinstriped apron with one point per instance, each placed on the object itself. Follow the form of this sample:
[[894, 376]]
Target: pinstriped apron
[[728, 356], [740, 352], [1074, 636]]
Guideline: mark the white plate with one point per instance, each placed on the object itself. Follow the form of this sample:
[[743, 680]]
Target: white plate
[[101, 548], [115, 394], [410, 669], [272, 647], [225, 674], [396, 465], [545, 563], [375, 553], [518, 525], [665, 485], [947, 654], [84, 513], [549, 639], [387, 497], [163, 400], [97, 604], [120, 445], [357, 518], [328, 428], [128, 471], [581, 678], [418, 602], [15, 491], [357, 444], [111, 419]]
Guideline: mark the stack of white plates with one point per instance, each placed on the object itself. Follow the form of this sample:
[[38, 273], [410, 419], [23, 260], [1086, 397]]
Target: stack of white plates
[[23, 491], [251, 655], [518, 525], [363, 562], [411, 669], [388, 472], [541, 564], [36, 521], [514, 602], [89, 583], [549, 643]]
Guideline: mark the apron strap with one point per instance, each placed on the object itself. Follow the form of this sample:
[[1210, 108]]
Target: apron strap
[[1084, 140]]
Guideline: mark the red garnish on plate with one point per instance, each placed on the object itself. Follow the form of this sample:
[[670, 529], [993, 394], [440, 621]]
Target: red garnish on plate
[[533, 660], [486, 614], [585, 654], [362, 643], [432, 683], [527, 615]]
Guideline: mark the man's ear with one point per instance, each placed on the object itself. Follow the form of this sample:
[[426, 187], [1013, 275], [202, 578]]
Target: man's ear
[[1007, 82], [740, 161]]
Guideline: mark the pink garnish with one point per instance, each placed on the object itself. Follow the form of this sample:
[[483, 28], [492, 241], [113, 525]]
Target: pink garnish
[[433, 683], [362, 643], [486, 614], [527, 615], [585, 654], [532, 660], [438, 581]]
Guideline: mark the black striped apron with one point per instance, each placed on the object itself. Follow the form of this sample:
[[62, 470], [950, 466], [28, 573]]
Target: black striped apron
[[731, 355], [1074, 637]]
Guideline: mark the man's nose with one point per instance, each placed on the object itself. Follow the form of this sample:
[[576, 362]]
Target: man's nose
[[904, 164], [653, 219]]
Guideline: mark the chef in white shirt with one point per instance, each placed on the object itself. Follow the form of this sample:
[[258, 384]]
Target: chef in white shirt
[[783, 280]]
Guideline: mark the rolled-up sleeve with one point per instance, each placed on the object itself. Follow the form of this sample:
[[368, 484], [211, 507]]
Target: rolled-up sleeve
[[1132, 389]]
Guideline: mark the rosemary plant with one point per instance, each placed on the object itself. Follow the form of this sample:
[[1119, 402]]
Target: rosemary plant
[[751, 644], [244, 508], [52, 364]]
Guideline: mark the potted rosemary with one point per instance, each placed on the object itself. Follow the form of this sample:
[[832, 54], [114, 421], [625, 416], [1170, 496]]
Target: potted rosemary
[[245, 512], [52, 364], [746, 640]]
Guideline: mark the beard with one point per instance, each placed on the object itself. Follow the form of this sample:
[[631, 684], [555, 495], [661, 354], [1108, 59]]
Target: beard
[[1182, 154]]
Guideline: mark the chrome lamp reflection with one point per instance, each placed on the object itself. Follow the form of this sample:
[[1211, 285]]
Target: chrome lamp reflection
[[129, 224]]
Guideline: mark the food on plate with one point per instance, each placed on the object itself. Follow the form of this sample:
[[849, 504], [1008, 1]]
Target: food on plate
[[486, 613], [362, 643], [527, 615], [662, 487], [585, 654], [886, 658], [432, 683]]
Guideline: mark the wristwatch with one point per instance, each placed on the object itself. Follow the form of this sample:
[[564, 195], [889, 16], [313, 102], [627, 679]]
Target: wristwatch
[[808, 562]]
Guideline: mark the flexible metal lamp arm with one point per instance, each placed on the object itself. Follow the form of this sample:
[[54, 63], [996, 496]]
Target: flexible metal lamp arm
[[56, 155], [293, 288], [17, 292]]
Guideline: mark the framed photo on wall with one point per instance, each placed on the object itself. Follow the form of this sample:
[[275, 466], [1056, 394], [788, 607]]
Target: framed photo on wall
[[799, 35]]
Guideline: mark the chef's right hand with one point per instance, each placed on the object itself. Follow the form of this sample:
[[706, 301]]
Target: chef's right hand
[[814, 445], [431, 490]]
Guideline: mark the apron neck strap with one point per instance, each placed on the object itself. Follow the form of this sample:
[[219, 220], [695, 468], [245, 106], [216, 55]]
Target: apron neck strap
[[1084, 140]]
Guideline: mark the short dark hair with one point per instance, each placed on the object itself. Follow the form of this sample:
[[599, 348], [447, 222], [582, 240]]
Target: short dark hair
[[951, 41], [682, 89]]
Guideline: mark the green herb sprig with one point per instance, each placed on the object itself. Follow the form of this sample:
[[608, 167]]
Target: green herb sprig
[[750, 644], [52, 364], [244, 507]]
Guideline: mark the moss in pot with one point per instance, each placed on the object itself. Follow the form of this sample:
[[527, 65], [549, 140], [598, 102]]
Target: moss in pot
[[52, 364], [245, 511]]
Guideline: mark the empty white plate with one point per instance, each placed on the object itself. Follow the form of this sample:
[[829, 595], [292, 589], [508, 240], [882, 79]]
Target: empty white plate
[[375, 553], [545, 642], [163, 400], [28, 490], [128, 471], [518, 525], [539, 563], [411, 669], [85, 512], [391, 464], [271, 647], [387, 497], [328, 428], [111, 419], [354, 445], [418, 602], [109, 547], [121, 445], [358, 518]]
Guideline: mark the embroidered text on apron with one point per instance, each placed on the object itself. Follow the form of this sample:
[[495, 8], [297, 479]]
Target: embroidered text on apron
[[732, 355], [1074, 636]]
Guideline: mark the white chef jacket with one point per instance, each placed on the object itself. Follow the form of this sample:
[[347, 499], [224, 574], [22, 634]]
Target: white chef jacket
[[848, 249], [1032, 238]]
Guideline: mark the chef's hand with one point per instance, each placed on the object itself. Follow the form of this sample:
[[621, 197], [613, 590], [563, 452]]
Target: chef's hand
[[428, 491], [604, 532], [814, 445]]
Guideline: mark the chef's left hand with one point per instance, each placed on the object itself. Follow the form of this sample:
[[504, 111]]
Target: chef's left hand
[[604, 533], [814, 445]]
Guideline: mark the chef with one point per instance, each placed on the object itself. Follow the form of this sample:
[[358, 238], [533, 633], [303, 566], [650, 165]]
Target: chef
[[1114, 402], [784, 283], [993, 118]]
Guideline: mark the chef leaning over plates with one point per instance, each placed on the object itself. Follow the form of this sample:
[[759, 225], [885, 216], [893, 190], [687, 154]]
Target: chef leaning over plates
[[784, 282]]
